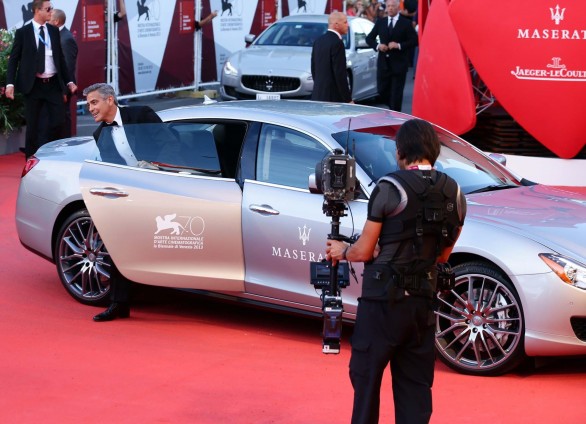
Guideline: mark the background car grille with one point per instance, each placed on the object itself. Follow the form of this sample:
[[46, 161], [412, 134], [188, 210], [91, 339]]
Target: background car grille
[[579, 327], [270, 84]]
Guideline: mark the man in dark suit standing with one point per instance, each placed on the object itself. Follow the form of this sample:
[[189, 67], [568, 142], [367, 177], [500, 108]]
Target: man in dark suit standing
[[328, 63], [103, 106], [37, 69], [69, 48], [397, 38]]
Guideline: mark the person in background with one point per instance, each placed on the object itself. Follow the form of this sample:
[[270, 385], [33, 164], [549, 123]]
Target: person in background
[[70, 49], [328, 63], [371, 10], [394, 38], [103, 106], [207, 19], [400, 248], [37, 68], [355, 8], [121, 12]]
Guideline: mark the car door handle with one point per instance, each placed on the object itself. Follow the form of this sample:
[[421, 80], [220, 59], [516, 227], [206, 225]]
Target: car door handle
[[108, 192], [263, 209]]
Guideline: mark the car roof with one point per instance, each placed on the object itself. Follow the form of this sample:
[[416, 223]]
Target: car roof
[[305, 115], [304, 18], [311, 18]]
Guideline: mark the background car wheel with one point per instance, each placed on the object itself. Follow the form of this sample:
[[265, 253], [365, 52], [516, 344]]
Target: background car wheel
[[479, 324], [83, 263]]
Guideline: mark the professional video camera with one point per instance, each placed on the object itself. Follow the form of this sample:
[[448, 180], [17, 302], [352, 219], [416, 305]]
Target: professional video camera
[[335, 178]]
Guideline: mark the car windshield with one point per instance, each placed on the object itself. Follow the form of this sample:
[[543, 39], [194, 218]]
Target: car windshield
[[294, 34], [374, 149]]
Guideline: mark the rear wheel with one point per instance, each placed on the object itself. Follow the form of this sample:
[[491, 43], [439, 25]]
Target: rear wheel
[[479, 324], [83, 262]]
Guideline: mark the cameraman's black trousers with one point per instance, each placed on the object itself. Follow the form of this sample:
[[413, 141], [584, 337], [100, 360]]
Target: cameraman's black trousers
[[400, 333]]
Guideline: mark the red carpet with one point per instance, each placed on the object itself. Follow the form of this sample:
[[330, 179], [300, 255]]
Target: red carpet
[[188, 359]]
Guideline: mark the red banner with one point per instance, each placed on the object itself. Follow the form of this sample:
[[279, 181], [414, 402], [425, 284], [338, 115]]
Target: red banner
[[532, 57]]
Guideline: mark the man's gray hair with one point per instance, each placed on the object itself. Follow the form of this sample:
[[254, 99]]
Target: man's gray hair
[[104, 89], [59, 16]]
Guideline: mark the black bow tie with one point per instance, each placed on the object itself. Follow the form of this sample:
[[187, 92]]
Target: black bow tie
[[113, 124]]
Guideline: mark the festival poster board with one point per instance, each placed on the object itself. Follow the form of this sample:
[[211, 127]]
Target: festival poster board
[[314, 7], [233, 23]]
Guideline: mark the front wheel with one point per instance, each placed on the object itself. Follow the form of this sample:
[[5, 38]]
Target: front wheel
[[479, 324], [83, 262]]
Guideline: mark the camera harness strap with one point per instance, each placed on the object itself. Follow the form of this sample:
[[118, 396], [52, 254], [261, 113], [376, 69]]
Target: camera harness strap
[[431, 209]]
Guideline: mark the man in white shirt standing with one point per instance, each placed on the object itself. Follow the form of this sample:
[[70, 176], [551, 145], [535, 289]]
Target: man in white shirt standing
[[394, 38], [37, 69]]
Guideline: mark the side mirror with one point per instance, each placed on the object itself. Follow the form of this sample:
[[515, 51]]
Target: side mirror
[[498, 157], [248, 39], [361, 44]]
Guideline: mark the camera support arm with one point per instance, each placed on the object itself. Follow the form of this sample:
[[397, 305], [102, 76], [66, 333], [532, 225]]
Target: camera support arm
[[332, 305]]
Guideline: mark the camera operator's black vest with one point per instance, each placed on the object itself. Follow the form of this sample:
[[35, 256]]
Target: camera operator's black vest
[[428, 224]]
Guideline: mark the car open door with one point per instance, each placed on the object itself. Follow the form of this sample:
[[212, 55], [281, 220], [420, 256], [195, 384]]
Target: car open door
[[170, 229]]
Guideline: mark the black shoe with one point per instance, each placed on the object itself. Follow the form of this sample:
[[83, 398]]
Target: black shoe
[[116, 310]]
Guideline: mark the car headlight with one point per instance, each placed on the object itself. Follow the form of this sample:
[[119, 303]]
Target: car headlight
[[230, 69], [570, 271]]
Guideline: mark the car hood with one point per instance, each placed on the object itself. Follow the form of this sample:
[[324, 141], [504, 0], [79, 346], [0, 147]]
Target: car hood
[[275, 60], [552, 216]]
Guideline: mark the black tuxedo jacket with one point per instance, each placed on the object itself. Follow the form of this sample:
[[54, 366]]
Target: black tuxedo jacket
[[69, 47], [328, 68], [129, 115], [22, 64], [395, 61]]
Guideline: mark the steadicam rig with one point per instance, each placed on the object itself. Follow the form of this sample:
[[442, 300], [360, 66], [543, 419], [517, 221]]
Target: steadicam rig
[[335, 178]]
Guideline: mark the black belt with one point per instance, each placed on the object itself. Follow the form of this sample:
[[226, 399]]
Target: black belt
[[410, 282], [46, 80]]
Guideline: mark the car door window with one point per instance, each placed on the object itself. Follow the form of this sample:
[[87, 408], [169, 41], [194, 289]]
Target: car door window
[[193, 148], [287, 157], [199, 148]]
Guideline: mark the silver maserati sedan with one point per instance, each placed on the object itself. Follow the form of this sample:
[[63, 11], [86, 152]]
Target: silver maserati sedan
[[219, 203], [277, 64]]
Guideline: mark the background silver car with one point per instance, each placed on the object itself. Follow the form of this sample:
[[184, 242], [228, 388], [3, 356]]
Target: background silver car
[[278, 62], [221, 205]]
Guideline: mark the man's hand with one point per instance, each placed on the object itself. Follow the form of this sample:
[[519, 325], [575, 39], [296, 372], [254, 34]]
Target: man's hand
[[10, 92], [72, 87], [335, 251]]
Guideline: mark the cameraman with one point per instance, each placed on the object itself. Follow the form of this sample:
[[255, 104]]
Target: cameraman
[[394, 321]]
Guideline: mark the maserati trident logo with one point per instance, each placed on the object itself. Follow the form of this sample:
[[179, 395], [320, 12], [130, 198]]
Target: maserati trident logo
[[557, 16], [269, 84], [304, 235]]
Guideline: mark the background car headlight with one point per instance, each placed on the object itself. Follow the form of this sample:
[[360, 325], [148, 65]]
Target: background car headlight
[[569, 270], [230, 69]]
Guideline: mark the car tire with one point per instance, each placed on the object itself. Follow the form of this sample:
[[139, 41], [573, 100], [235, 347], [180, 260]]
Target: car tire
[[82, 260], [479, 324]]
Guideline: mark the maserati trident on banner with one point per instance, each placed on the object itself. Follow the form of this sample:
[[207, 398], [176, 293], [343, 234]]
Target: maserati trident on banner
[[532, 58]]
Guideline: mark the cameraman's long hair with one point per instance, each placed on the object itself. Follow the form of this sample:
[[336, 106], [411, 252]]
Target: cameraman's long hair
[[416, 141]]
